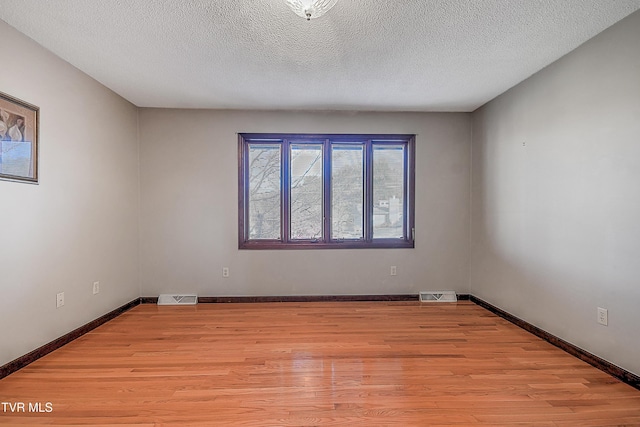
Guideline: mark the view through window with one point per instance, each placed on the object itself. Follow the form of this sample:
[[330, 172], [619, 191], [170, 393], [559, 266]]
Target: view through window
[[326, 191]]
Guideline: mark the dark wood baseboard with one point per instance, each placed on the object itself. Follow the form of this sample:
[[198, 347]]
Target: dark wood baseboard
[[36, 354], [308, 298], [605, 366], [295, 298], [305, 298]]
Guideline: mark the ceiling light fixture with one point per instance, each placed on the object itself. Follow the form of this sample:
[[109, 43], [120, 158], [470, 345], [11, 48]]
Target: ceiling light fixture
[[311, 8]]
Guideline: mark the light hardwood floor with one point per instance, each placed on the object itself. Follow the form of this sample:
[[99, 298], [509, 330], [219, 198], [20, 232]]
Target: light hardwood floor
[[345, 363]]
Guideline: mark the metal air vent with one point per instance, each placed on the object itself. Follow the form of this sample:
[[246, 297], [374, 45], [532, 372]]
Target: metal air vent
[[172, 299], [438, 296]]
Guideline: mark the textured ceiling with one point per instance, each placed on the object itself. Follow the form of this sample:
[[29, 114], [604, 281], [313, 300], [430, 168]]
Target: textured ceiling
[[392, 55]]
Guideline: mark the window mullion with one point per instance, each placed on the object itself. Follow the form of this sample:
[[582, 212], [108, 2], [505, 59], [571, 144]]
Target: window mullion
[[285, 193], [326, 191], [368, 191]]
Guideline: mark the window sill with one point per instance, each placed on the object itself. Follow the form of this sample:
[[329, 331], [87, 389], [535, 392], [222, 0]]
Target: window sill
[[277, 245]]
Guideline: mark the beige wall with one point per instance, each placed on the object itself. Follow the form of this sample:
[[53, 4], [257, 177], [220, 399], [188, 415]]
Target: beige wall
[[80, 224], [556, 197], [189, 206]]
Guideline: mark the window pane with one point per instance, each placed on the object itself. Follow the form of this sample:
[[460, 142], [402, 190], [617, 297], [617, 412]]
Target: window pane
[[306, 191], [347, 191], [388, 191], [264, 191]]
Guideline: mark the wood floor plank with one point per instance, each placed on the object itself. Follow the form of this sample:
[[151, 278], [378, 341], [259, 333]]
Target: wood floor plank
[[328, 363]]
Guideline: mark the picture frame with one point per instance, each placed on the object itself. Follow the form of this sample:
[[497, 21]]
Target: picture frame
[[19, 140]]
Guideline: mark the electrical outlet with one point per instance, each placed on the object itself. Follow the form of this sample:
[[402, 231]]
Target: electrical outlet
[[603, 316], [394, 270], [59, 300], [225, 271], [96, 288]]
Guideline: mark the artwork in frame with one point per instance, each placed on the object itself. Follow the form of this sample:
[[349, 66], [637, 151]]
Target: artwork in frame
[[18, 140]]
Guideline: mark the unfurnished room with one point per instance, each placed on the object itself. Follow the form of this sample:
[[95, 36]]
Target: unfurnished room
[[320, 212]]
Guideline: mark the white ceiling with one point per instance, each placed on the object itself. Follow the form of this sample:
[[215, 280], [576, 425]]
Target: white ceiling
[[391, 55]]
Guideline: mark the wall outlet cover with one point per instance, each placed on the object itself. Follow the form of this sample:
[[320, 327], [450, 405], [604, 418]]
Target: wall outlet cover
[[603, 316], [59, 299]]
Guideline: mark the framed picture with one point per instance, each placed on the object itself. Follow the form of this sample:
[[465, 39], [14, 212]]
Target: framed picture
[[18, 140]]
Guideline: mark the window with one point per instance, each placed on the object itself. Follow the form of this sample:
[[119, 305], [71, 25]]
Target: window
[[326, 191]]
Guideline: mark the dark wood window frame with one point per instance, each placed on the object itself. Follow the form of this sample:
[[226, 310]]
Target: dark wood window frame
[[327, 140]]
